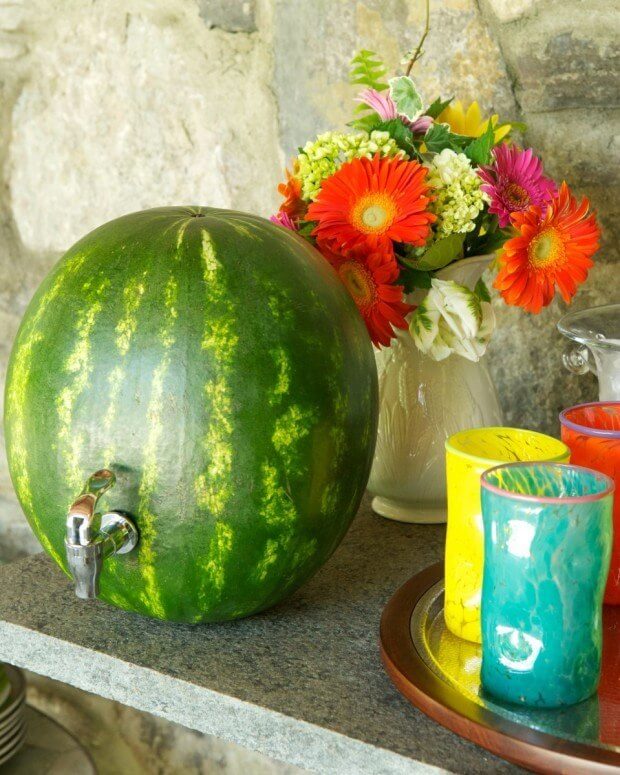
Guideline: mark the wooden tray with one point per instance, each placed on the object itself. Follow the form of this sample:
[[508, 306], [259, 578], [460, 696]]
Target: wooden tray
[[439, 674]]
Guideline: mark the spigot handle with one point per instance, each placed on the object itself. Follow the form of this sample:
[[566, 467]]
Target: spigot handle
[[81, 516]]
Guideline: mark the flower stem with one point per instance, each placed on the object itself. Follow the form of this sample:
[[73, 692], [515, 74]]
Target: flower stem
[[418, 52]]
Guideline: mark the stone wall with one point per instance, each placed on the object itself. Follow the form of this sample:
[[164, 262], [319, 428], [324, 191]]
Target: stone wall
[[562, 59], [108, 107]]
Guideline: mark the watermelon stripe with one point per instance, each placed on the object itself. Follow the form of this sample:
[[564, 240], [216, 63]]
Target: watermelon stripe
[[181, 235], [125, 329], [115, 597], [78, 367], [213, 486], [291, 427], [337, 432], [283, 382], [270, 556], [151, 595], [277, 506], [30, 335], [276, 503], [219, 549]]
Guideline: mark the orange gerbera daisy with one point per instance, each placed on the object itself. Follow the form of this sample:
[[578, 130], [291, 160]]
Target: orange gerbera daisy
[[369, 277], [293, 205], [375, 201], [554, 247]]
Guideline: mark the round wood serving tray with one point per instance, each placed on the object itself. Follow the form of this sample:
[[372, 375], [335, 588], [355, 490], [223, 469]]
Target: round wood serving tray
[[439, 674]]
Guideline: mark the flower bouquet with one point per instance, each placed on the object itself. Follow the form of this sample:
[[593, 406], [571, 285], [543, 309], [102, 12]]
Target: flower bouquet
[[415, 187], [410, 206]]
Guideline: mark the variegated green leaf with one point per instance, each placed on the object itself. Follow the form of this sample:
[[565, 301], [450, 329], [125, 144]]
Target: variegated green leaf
[[407, 98]]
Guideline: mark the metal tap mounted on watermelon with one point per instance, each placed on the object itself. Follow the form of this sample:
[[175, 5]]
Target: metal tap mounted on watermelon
[[215, 364]]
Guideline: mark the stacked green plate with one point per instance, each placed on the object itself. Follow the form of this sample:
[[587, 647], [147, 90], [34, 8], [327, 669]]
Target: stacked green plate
[[12, 705]]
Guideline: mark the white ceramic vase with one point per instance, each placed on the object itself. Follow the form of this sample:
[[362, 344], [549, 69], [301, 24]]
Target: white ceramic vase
[[421, 403]]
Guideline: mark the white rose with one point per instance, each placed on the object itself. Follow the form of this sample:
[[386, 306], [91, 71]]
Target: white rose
[[452, 319]]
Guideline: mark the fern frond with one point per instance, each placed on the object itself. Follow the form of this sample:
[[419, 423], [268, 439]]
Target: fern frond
[[367, 69]]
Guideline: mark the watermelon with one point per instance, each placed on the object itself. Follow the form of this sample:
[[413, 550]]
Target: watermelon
[[216, 364]]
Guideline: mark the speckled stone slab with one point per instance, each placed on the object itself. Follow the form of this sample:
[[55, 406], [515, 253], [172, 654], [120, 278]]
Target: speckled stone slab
[[302, 682]]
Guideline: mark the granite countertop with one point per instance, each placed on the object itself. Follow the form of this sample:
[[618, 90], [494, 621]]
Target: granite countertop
[[302, 682]]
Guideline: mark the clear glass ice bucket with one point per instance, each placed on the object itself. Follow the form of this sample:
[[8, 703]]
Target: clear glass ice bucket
[[595, 334]]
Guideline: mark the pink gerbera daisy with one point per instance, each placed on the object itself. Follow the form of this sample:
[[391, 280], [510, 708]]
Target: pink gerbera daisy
[[383, 105], [515, 182]]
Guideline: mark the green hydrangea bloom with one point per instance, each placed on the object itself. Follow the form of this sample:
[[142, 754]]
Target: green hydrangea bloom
[[319, 159], [458, 198]]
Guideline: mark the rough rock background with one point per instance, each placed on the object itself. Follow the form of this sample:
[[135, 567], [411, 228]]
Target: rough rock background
[[108, 107]]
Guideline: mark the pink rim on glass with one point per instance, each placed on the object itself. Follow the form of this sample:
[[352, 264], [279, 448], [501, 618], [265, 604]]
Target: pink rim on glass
[[564, 499], [581, 425]]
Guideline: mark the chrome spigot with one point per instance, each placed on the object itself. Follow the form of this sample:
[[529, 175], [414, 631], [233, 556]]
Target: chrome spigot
[[91, 537]]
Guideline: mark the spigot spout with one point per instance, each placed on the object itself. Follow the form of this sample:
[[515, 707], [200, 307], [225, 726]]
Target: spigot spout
[[85, 564], [91, 537]]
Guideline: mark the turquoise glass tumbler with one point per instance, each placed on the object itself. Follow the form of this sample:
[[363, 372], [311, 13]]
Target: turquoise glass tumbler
[[547, 544]]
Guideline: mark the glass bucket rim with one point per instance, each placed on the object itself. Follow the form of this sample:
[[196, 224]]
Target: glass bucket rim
[[602, 433], [494, 462], [567, 500], [564, 326]]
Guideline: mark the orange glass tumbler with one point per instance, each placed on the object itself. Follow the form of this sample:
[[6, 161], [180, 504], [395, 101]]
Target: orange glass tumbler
[[592, 432]]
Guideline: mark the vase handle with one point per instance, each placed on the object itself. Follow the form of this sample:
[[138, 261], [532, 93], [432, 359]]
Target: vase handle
[[577, 359]]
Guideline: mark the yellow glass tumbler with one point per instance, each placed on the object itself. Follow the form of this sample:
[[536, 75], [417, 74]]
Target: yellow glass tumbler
[[468, 455]]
